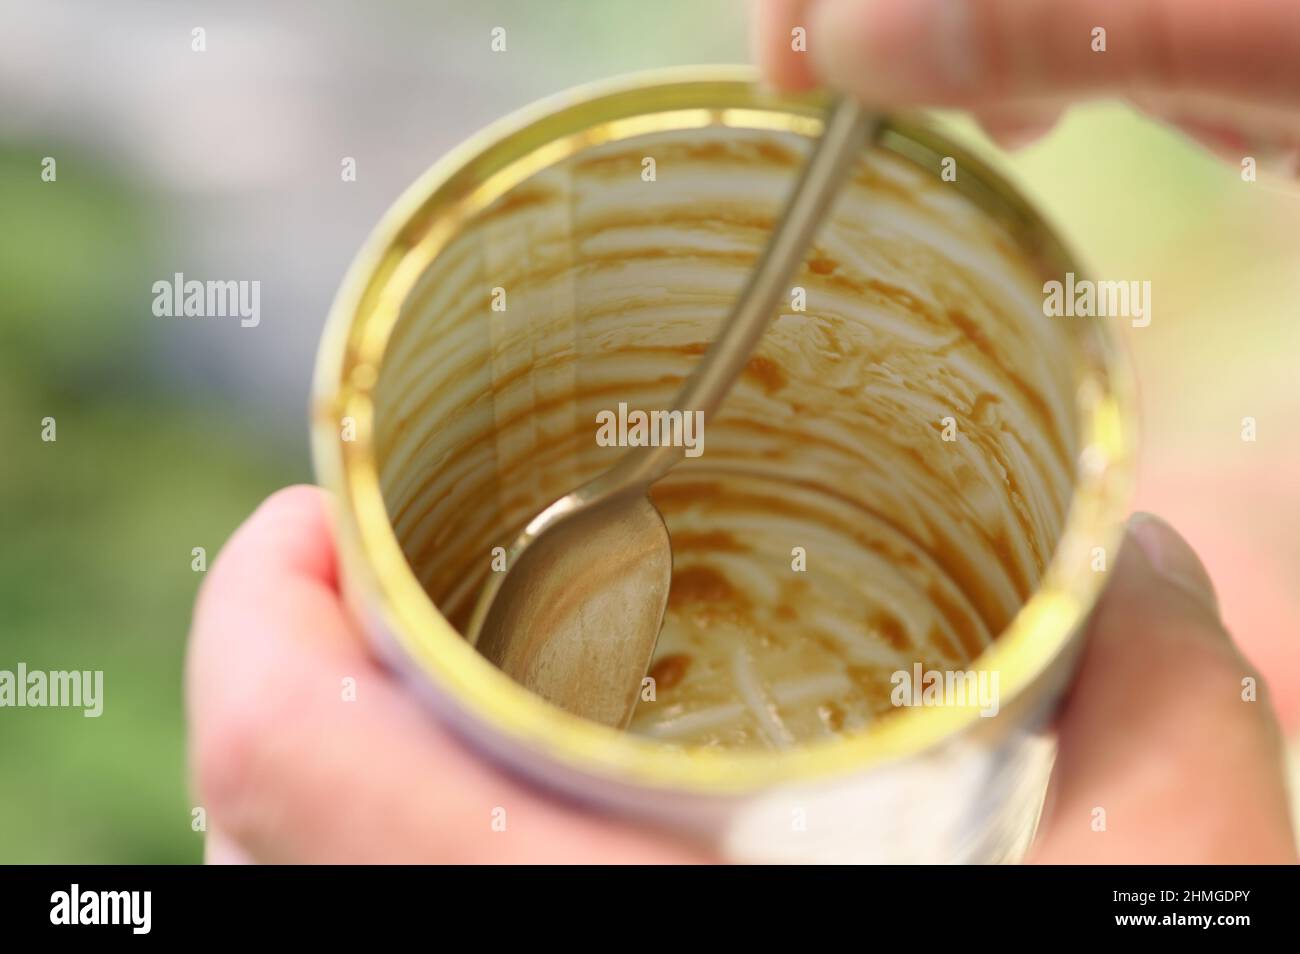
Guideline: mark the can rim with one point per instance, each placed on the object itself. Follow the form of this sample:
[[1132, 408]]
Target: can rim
[[433, 209]]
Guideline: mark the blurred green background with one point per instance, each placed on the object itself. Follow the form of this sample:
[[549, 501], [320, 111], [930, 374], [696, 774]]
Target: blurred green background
[[99, 525], [225, 165]]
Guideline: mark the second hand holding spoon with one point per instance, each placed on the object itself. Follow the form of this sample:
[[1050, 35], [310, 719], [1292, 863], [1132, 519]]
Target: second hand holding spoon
[[576, 615]]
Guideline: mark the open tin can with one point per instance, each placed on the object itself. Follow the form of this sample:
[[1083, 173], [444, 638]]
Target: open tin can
[[918, 474]]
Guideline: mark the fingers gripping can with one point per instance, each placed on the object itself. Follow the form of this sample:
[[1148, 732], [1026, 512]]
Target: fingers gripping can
[[885, 548]]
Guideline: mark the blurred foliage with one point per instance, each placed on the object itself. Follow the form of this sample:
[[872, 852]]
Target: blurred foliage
[[95, 557]]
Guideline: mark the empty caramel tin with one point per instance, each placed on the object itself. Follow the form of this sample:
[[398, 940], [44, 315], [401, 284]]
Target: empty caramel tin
[[919, 472]]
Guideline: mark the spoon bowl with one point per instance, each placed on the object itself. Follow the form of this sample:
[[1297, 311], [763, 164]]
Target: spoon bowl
[[590, 586]]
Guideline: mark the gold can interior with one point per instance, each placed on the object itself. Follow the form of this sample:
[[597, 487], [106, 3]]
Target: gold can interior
[[884, 487]]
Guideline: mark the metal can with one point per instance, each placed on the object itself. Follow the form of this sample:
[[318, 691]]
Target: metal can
[[920, 468]]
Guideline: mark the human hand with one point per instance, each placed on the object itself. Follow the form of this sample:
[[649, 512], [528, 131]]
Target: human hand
[[1159, 730], [1226, 73], [289, 772], [1155, 731]]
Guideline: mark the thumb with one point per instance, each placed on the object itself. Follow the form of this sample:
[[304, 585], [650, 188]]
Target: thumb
[[1164, 754], [975, 52]]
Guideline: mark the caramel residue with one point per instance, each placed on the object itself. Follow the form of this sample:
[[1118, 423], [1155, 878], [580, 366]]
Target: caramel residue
[[890, 629], [822, 265], [707, 151], [669, 496], [981, 410], [974, 333], [831, 344], [834, 716], [867, 178], [518, 199], [899, 296], [609, 161], [670, 670], [939, 640], [713, 541], [701, 584], [970, 644], [866, 679], [691, 347], [714, 151], [776, 154], [767, 373], [1001, 544]]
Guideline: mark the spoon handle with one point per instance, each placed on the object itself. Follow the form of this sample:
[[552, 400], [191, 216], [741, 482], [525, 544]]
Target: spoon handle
[[833, 156]]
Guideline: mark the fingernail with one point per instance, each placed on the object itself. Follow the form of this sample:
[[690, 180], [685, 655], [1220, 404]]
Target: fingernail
[[1018, 137], [1171, 557], [894, 50]]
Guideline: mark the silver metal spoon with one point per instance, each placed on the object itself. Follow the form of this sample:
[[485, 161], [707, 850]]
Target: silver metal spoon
[[576, 614]]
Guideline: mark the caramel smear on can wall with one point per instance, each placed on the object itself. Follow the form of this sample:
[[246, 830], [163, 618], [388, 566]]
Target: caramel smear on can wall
[[829, 535]]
